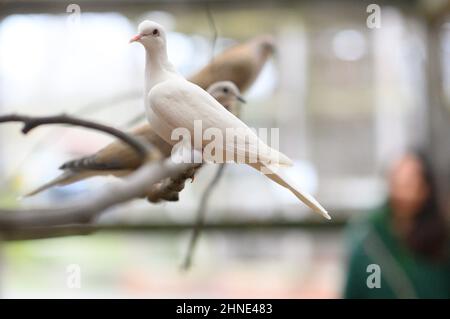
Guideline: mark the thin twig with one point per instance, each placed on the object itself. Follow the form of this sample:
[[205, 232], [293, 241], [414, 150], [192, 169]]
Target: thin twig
[[31, 122], [215, 34], [200, 217], [212, 24]]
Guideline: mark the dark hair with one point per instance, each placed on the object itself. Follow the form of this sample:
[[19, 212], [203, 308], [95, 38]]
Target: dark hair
[[428, 236]]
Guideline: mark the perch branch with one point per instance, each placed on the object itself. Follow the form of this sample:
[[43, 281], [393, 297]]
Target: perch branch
[[136, 185], [30, 123], [139, 183]]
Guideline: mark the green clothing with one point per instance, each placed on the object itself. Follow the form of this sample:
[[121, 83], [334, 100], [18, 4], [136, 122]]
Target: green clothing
[[403, 275]]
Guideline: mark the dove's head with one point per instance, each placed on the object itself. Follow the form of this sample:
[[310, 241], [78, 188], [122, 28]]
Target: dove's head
[[227, 94], [265, 44], [151, 35]]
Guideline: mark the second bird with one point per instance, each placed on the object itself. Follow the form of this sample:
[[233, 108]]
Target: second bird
[[119, 160]]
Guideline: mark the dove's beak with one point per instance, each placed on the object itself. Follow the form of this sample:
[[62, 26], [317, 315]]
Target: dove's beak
[[135, 38], [241, 99]]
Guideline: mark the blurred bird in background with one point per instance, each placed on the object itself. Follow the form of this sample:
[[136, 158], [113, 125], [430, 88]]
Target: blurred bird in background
[[240, 64]]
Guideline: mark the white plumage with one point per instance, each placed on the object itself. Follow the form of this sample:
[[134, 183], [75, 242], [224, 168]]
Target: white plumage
[[178, 103], [173, 102]]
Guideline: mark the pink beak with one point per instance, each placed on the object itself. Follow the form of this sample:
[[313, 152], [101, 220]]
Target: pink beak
[[135, 38]]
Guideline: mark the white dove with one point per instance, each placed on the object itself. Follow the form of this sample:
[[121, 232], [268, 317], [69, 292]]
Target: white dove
[[173, 102]]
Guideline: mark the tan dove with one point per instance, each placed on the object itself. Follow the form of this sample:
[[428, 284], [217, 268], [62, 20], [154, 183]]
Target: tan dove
[[240, 64], [118, 159]]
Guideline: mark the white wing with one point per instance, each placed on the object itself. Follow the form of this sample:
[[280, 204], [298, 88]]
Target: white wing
[[178, 103]]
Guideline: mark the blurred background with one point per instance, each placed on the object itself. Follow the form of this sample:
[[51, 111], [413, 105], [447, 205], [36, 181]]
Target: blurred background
[[350, 100]]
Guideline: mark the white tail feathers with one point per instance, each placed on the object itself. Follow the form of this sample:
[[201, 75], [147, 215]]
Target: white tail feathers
[[283, 181]]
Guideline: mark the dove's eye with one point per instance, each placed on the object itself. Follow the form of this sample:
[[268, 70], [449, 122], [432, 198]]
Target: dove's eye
[[225, 90], [155, 32]]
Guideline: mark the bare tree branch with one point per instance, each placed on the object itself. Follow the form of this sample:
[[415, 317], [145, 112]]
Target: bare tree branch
[[33, 122], [138, 184], [212, 24], [223, 226], [200, 217], [85, 110]]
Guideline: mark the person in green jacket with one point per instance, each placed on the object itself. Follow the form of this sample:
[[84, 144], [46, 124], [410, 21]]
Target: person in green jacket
[[401, 250]]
